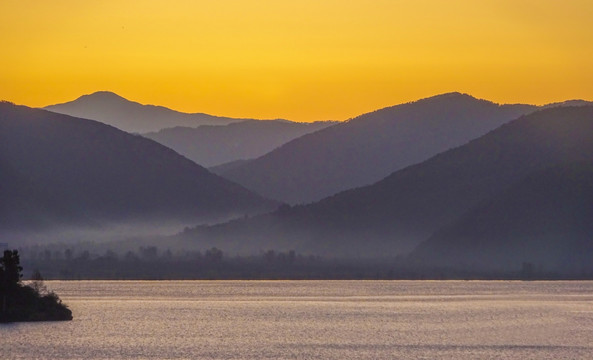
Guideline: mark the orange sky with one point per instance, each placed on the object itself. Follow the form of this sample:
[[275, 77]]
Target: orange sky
[[302, 60]]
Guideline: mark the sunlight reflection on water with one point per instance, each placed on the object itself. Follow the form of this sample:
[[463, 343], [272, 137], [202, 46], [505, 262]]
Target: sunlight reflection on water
[[312, 319]]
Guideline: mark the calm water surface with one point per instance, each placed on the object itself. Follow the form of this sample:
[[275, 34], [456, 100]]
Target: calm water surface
[[312, 320]]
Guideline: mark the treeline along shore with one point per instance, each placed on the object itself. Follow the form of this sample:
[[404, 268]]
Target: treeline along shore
[[152, 263]]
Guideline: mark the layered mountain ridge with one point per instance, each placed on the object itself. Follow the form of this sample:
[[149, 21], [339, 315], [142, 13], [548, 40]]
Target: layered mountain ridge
[[212, 145], [58, 170], [367, 148], [130, 116], [397, 213]]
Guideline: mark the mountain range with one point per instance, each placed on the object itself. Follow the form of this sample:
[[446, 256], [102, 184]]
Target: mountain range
[[112, 109], [398, 213], [367, 148], [212, 145], [57, 170], [451, 180]]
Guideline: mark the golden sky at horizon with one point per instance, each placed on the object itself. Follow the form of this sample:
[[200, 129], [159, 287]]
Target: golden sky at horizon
[[301, 60]]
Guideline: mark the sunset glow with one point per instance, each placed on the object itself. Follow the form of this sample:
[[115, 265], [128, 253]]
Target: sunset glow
[[302, 60]]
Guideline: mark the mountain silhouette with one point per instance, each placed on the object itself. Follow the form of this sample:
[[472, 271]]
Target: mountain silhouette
[[544, 220], [211, 145], [130, 116], [56, 169], [365, 149], [395, 214]]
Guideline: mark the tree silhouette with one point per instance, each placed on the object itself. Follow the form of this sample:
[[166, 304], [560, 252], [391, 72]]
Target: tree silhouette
[[10, 265], [10, 275], [26, 303]]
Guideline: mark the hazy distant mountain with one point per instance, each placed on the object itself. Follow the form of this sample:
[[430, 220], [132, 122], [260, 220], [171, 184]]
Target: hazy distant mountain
[[214, 145], [567, 103], [366, 149], [398, 212], [130, 116], [223, 168], [546, 220], [57, 170]]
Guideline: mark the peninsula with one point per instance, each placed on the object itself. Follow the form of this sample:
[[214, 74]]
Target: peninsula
[[33, 302]]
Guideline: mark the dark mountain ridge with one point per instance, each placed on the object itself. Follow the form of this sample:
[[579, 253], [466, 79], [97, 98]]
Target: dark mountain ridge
[[57, 170], [544, 220], [367, 148], [395, 214]]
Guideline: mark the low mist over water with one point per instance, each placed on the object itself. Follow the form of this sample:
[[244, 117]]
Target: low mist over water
[[312, 319]]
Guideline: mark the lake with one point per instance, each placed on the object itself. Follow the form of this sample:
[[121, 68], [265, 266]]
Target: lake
[[312, 320]]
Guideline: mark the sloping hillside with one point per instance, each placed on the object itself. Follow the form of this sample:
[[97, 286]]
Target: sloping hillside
[[397, 213], [130, 116], [545, 220], [368, 148], [57, 170]]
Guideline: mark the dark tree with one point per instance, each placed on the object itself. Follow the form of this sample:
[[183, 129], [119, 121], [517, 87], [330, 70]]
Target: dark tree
[[11, 269], [10, 275], [26, 303]]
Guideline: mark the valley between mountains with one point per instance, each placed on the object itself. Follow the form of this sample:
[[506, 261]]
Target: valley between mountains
[[446, 182]]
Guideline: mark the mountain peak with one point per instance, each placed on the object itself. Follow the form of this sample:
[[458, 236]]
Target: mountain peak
[[452, 94], [369, 147], [103, 95], [449, 97], [131, 116]]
